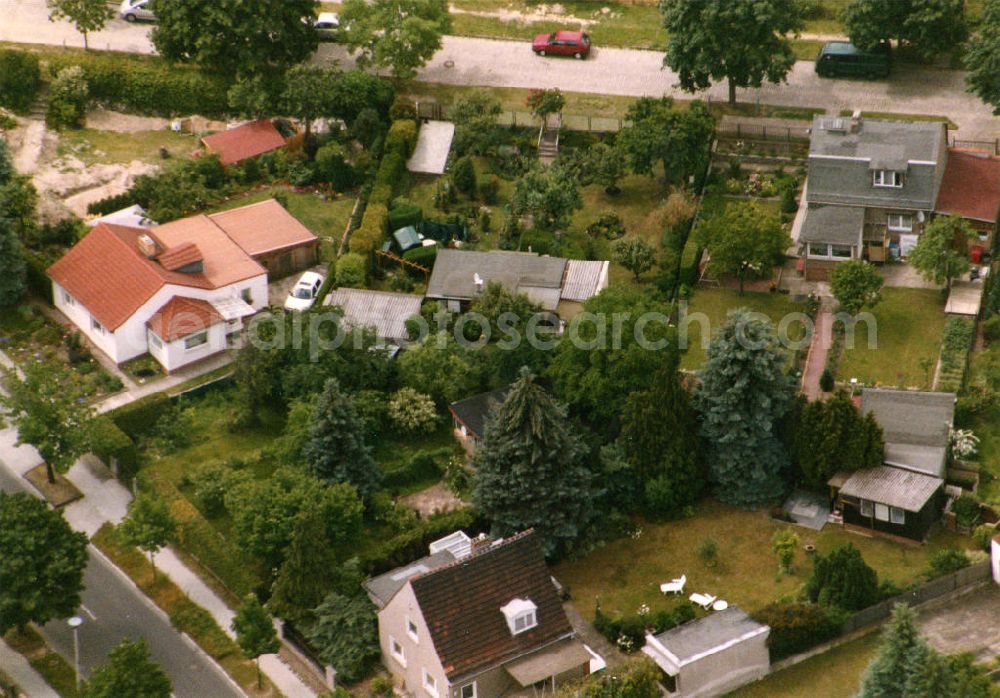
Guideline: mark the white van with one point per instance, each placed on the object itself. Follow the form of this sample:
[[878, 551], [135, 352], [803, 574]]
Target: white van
[[133, 10]]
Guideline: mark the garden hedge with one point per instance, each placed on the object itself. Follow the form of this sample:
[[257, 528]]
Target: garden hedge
[[20, 79], [690, 259], [404, 213], [149, 85], [412, 543], [402, 137], [351, 270], [424, 256], [796, 627], [110, 204], [372, 232], [138, 418]]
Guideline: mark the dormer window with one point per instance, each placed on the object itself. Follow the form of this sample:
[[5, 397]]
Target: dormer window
[[887, 178], [521, 615]]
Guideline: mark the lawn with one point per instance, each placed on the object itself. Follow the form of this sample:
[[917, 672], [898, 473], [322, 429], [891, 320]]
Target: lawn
[[626, 573], [907, 331], [327, 219], [100, 147], [834, 673], [715, 304]]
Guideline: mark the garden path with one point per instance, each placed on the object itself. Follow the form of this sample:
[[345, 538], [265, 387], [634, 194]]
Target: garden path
[[819, 349]]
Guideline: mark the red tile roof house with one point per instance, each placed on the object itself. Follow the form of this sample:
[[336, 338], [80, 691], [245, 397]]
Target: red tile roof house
[[477, 619], [179, 291], [244, 142]]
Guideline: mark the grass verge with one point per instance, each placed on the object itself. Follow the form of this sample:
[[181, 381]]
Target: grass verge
[[185, 615], [56, 671]]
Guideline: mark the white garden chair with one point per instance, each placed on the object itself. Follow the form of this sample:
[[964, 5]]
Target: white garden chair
[[675, 586], [703, 600]]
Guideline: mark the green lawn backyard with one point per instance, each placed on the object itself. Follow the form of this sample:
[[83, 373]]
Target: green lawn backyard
[[986, 425], [94, 147], [627, 573], [906, 340], [715, 303]]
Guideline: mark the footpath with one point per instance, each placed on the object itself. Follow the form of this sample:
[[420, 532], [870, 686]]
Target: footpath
[[106, 500]]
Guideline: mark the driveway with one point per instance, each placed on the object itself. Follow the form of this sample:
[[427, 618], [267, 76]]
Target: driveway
[[969, 623], [466, 61]]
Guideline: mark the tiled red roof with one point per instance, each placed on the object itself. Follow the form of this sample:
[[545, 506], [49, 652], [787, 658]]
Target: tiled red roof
[[108, 275], [180, 317], [263, 227], [243, 142], [180, 256], [461, 605], [971, 186]]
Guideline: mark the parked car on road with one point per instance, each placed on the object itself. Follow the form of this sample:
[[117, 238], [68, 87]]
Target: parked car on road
[[562, 43], [304, 293], [133, 10], [327, 26], [841, 58]]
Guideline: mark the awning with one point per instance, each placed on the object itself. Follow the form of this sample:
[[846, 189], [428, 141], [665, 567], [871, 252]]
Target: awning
[[233, 308], [555, 659]]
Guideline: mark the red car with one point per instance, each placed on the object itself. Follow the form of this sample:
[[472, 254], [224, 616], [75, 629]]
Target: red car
[[562, 43]]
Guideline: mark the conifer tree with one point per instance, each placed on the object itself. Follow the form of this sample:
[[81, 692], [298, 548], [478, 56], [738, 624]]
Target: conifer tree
[[886, 675], [831, 436], [304, 576], [255, 633], [745, 392], [843, 579], [335, 450], [12, 264], [530, 469]]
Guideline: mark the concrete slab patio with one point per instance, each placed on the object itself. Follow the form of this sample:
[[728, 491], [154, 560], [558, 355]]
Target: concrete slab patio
[[433, 144]]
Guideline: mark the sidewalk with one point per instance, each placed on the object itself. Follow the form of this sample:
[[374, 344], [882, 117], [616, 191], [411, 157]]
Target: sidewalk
[[166, 382], [29, 681]]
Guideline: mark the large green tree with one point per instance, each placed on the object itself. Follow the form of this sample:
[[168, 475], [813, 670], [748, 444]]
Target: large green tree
[[336, 450], [531, 470], [745, 392], [743, 41], [635, 254], [660, 133], [48, 417], [940, 252], [86, 15], [886, 675], [831, 436], [255, 633], [608, 352], [398, 35], [149, 525], [745, 241], [233, 36], [310, 561], [345, 634], [982, 57], [12, 265], [129, 672], [659, 437], [441, 367], [41, 563], [549, 194], [856, 285], [308, 94], [928, 26], [475, 117], [843, 579]]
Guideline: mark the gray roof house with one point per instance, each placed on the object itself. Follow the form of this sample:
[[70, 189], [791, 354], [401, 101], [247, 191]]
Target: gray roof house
[[382, 311], [470, 415], [904, 496], [886, 174], [460, 275], [711, 656]]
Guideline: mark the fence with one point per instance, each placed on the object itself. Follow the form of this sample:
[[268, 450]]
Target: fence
[[987, 146], [746, 130], [515, 118], [936, 588]]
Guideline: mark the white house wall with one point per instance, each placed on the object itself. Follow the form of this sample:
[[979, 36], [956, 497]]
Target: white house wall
[[176, 355]]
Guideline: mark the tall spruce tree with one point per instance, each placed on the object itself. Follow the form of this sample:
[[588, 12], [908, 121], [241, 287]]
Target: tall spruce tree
[[659, 437], [886, 675], [304, 577], [336, 449], [530, 469], [745, 392], [832, 435]]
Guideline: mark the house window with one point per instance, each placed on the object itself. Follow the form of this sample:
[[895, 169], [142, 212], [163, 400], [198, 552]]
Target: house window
[[94, 324], [840, 251], [411, 629], [525, 621], [866, 507], [520, 614], [396, 650], [887, 178], [196, 340], [468, 691], [901, 222], [247, 296], [155, 341], [68, 299], [881, 512], [897, 516], [430, 684]]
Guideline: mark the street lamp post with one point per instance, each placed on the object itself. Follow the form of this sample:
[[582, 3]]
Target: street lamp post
[[75, 622]]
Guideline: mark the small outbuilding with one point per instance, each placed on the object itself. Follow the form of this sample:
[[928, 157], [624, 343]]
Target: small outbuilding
[[711, 656], [470, 415], [244, 142], [385, 312]]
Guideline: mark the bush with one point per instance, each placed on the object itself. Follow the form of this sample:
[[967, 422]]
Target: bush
[[403, 213], [966, 509], [412, 411], [422, 467], [138, 419], [68, 99], [20, 79], [489, 190], [796, 627], [351, 270], [947, 561], [608, 226], [371, 233], [210, 482], [411, 544], [424, 256], [331, 166], [789, 203], [991, 329], [110, 204], [982, 535], [826, 381], [402, 138], [538, 240], [464, 177], [690, 261], [402, 108]]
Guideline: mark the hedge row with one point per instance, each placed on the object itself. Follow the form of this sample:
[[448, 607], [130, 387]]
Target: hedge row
[[110, 204], [372, 231], [629, 632], [797, 627], [138, 419], [20, 79], [411, 544], [149, 86], [690, 259]]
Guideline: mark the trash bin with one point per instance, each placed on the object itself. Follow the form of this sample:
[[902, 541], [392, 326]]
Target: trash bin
[[976, 254]]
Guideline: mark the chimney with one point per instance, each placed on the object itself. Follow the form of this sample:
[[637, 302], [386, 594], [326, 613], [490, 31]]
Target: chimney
[[481, 541], [477, 280], [856, 121], [147, 247]]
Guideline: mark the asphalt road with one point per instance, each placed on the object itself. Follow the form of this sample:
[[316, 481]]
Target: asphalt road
[[467, 61], [112, 610]]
